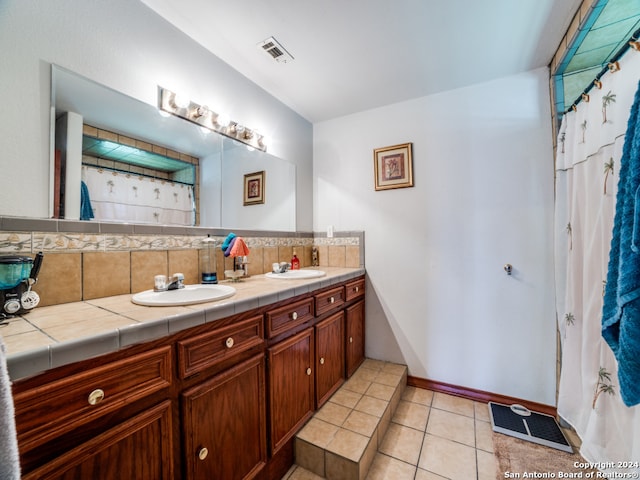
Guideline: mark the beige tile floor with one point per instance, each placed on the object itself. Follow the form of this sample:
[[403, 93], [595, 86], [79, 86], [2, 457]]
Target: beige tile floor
[[432, 436]]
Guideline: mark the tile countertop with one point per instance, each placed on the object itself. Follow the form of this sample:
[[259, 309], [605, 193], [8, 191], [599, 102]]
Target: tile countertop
[[56, 335]]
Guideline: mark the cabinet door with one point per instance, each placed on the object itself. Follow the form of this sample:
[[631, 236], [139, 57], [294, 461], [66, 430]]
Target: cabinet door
[[329, 356], [224, 424], [355, 337], [291, 398], [137, 449]]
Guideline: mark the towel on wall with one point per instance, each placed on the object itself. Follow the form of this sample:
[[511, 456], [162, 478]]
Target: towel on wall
[[9, 458], [621, 309], [86, 211]]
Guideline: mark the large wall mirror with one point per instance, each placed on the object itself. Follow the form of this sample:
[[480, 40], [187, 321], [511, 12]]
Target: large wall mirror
[[200, 174]]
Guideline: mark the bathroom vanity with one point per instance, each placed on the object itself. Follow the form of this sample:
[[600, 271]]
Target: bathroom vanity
[[220, 400]]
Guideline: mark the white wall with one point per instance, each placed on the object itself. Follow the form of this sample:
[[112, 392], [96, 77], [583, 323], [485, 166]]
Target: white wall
[[438, 297], [122, 44], [277, 212]]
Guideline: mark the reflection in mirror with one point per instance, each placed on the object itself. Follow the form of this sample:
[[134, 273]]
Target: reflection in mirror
[[130, 180], [278, 210], [124, 159], [202, 171]]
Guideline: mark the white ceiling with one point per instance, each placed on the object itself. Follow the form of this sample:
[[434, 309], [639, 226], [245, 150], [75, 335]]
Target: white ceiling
[[354, 55]]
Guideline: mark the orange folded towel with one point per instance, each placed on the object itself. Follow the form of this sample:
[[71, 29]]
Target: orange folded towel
[[239, 248]]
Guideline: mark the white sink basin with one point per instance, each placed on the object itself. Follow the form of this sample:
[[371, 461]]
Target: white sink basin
[[189, 295], [296, 274]]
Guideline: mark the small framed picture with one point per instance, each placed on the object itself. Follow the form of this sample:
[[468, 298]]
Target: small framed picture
[[254, 188], [393, 167]]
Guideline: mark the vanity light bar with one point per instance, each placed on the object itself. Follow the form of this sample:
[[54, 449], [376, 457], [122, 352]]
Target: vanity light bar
[[201, 115]]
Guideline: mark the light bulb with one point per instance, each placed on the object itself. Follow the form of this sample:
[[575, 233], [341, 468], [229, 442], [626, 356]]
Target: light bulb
[[201, 111], [180, 101], [223, 119]]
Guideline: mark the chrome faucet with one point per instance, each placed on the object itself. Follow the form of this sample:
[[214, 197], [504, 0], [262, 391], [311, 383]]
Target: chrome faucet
[[176, 281], [281, 267]]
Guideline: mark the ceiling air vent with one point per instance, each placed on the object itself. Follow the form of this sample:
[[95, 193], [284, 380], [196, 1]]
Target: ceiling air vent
[[275, 50]]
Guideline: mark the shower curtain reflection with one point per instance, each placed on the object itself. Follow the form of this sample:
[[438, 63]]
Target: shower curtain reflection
[[117, 196]]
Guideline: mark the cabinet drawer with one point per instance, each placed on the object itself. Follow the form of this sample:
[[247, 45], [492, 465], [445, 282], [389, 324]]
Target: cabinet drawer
[[206, 350], [284, 318], [329, 300], [354, 289], [60, 406]]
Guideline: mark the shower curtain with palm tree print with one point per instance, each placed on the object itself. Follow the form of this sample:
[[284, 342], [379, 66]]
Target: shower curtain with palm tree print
[[590, 144]]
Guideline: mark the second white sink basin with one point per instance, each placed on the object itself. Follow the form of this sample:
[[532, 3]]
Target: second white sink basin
[[296, 274], [189, 295]]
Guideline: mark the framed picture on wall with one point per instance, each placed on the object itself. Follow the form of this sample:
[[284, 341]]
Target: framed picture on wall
[[393, 167], [254, 188]]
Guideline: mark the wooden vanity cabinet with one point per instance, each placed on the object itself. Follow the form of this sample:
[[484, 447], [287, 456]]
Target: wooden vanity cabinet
[[224, 424], [222, 400], [329, 336], [305, 369], [291, 386]]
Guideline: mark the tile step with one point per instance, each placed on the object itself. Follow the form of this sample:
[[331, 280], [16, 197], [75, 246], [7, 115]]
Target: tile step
[[340, 441]]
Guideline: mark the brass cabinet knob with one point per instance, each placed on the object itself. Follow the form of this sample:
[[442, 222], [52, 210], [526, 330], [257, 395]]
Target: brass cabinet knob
[[96, 396], [350, 339], [229, 343], [294, 315], [202, 453], [332, 300], [309, 371], [321, 360], [356, 289]]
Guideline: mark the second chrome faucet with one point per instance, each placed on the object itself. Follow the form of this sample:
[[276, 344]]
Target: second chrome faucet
[[174, 282]]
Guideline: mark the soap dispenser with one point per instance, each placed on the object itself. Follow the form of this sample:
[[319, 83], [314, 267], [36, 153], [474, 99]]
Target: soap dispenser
[[208, 261], [295, 262]]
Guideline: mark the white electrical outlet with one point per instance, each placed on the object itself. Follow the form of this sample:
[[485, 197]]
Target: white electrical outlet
[[330, 231]]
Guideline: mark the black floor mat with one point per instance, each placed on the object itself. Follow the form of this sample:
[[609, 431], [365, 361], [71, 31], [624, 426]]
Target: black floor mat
[[522, 423]]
